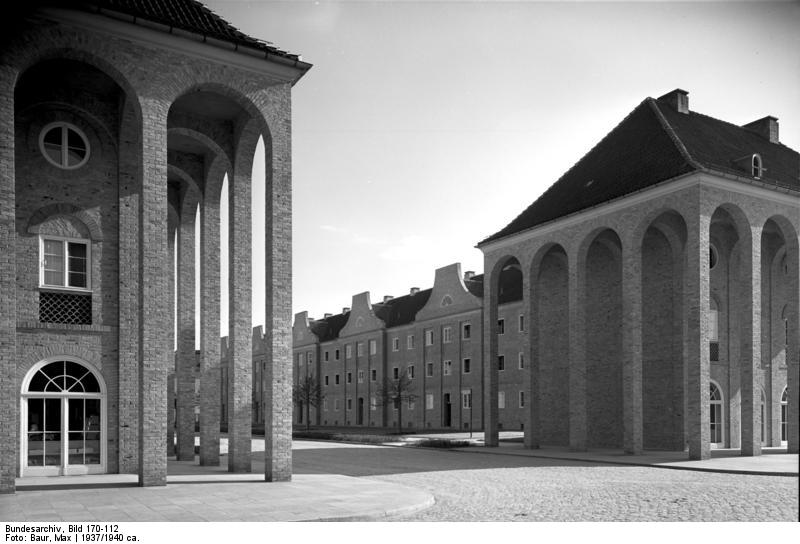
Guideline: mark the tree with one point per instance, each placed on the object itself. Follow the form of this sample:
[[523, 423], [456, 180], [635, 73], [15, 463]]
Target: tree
[[393, 392], [307, 393]]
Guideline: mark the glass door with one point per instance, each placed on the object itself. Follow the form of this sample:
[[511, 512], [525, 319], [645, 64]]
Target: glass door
[[44, 436]]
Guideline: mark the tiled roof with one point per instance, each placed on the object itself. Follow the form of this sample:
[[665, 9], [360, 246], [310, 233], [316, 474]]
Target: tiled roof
[[655, 143], [401, 310], [188, 15], [328, 328]]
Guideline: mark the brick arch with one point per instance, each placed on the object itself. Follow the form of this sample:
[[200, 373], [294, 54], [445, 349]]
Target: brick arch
[[192, 83], [741, 221], [213, 147], [590, 238], [45, 213], [178, 172], [651, 219], [75, 115]]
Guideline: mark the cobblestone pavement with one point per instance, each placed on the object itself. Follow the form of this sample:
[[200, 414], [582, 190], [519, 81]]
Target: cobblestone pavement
[[474, 487]]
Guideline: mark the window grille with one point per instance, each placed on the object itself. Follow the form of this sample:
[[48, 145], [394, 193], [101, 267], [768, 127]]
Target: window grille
[[67, 308], [714, 351]]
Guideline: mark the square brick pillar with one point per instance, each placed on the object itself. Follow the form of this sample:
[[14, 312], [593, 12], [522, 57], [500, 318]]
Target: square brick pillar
[[240, 328], [9, 391], [154, 351], [171, 389], [491, 414], [532, 423], [793, 348], [632, 347], [277, 378], [750, 330], [577, 353], [210, 375], [186, 360], [130, 183], [697, 299]]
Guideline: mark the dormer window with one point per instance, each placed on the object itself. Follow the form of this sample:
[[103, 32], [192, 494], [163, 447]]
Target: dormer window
[[757, 166]]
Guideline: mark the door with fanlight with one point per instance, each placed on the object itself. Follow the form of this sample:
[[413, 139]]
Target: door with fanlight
[[63, 420]]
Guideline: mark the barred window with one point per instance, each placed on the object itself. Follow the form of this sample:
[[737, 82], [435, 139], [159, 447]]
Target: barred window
[[67, 308]]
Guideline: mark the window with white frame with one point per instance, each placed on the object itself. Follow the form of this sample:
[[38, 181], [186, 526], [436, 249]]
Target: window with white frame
[[501, 326], [522, 399], [429, 401], [410, 341], [336, 355], [501, 399], [501, 362], [360, 376], [466, 331], [429, 370], [301, 359], [348, 351], [411, 403], [758, 167], [447, 335], [429, 337], [373, 347], [466, 365], [448, 367], [466, 399], [373, 403], [395, 344], [360, 349], [410, 372], [64, 263], [310, 358], [521, 361], [324, 405]]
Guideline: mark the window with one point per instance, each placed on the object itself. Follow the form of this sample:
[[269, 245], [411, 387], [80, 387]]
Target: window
[[713, 331], [395, 373], [327, 356], [715, 417], [335, 405], [373, 404], [429, 337], [521, 323], [326, 380], [501, 326], [522, 399], [310, 357], [373, 347], [466, 399], [349, 377], [64, 263], [348, 351], [336, 355], [521, 361], [360, 376], [466, 331], [784, 414], [395, 344], [410, 372], [325, 405], [410, 341], [501, 362], [429, 370], [336, 379], [758, 168], [64, 145], [429, 401], [373, 375], [501, 399], [465, 367], [349, 404], [411, 403], [447, 335], [448, 367], [301, 359]]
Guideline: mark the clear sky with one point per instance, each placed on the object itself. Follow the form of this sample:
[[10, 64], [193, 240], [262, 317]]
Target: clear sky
[[424, 127]]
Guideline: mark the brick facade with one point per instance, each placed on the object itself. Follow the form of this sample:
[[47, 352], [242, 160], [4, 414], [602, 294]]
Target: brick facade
[[164, 117]]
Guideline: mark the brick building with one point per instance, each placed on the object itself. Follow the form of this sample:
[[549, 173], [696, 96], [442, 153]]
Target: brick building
[[647, 300], [120, 121]]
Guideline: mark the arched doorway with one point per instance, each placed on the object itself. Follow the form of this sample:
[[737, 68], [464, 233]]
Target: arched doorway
[[63, 417], [715, 415], [784, 414]]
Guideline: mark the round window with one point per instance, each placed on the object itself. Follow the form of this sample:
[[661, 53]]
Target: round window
[[712, 257], [64, 145]]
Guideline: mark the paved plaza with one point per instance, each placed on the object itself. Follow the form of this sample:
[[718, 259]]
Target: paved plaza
[[355, 482]]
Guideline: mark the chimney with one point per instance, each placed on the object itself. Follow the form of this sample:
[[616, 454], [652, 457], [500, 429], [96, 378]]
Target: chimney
[[327, 315], [766, 128], [678, 99], [414, 290], [387, 298], [345, 310], [468, 275]]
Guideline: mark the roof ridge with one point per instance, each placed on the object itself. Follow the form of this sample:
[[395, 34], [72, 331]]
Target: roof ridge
[[672, 134]]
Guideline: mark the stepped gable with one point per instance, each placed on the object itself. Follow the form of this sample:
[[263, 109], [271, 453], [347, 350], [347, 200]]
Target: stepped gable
[[659, 140]]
